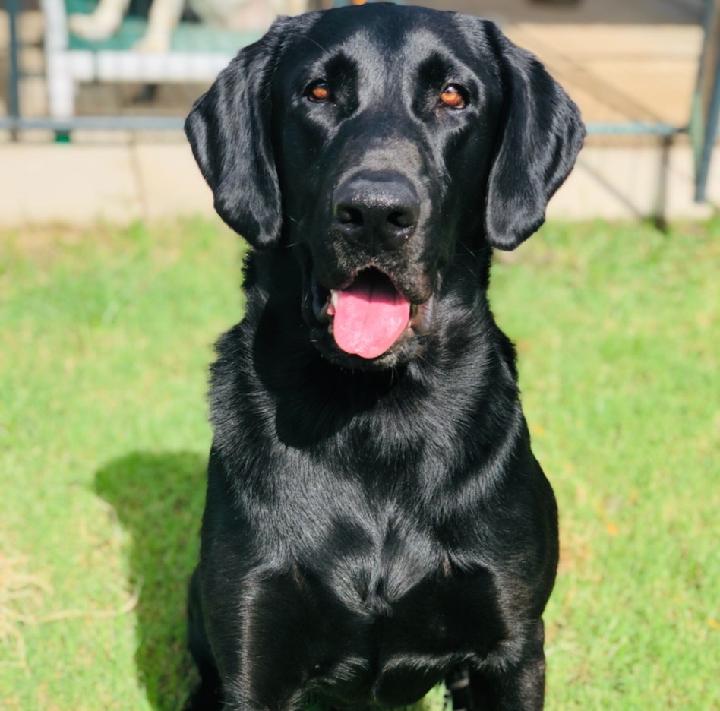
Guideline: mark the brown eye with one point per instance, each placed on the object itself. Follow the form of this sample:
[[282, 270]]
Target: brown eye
[[453, 96], [318, 91]]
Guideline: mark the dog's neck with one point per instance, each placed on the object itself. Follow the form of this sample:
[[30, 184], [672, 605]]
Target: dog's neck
[[310, 398]]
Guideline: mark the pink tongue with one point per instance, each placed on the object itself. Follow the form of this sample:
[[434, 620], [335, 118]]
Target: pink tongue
[[370, 315]]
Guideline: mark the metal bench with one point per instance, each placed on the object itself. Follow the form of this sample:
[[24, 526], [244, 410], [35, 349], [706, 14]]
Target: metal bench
[[198, 53]]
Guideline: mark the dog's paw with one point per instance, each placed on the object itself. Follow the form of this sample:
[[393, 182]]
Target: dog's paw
[[95, 27], [153, 44]]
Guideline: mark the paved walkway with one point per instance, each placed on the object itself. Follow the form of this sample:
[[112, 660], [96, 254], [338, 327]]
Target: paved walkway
[[622, 60]]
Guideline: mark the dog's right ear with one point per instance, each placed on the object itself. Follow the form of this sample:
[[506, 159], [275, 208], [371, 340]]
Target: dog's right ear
[[540, 137], [229, 132]]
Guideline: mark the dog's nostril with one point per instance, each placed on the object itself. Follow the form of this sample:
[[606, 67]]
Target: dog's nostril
[[401, 219], [347, 215]]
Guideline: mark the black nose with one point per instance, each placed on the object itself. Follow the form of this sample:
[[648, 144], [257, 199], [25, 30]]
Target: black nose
[[378, 209]]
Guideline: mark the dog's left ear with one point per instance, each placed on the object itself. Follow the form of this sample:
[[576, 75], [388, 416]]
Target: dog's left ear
[[229, 132], [540, 135]]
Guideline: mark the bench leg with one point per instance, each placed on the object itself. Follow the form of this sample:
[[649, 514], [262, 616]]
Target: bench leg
[[61, 95]]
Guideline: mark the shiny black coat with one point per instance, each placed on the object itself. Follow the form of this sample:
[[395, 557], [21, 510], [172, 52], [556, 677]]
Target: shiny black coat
[[375, 527]]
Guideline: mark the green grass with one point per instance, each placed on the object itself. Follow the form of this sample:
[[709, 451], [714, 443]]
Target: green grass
[[105, 337]]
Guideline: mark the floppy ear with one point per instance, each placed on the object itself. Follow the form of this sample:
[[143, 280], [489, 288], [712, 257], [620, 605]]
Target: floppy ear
[[229, 132], [540, 135]]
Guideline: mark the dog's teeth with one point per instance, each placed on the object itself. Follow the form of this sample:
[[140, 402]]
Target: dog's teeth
[[333, 297]]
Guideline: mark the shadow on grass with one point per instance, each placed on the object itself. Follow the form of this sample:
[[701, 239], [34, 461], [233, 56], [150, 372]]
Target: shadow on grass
[[158, 498]]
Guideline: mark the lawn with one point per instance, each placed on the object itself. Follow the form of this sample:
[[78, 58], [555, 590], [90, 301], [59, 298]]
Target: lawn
[[105, 338]]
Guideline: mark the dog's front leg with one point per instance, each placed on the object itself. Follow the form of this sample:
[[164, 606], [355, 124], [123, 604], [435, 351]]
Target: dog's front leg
[[517, 685], [255, 626]]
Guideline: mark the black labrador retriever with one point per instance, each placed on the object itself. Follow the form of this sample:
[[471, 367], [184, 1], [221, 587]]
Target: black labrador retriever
[[376, 522]]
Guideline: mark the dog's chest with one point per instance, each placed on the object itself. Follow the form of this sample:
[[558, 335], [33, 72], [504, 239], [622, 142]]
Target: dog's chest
[[388, 615]]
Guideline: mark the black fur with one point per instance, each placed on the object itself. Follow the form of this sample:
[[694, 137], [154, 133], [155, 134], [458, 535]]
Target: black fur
[[373, 527]]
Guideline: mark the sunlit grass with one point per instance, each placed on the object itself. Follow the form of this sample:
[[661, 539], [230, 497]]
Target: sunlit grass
[[105, 337]]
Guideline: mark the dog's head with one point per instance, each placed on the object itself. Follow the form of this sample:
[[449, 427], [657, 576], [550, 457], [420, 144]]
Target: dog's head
[[373, 141]]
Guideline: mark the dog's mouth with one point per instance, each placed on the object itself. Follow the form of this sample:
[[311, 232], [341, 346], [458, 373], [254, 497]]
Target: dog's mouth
[[368, 316]]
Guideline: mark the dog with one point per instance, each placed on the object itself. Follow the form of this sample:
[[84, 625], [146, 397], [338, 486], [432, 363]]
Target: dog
[[375, 522], [164, 16]]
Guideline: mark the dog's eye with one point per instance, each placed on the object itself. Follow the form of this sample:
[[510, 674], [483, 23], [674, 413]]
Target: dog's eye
[[318, 91], [453, 96]]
